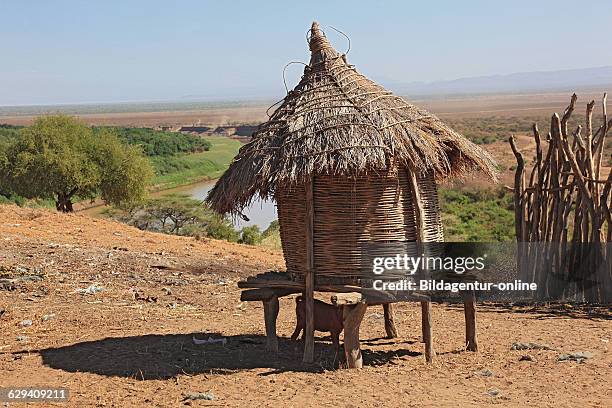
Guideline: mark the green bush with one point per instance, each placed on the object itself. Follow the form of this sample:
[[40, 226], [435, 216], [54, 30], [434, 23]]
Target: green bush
[[250, 235], [220, 228], [178, 215], [9, 198]]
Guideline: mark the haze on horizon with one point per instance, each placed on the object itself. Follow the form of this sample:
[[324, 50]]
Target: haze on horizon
[[84, 52]]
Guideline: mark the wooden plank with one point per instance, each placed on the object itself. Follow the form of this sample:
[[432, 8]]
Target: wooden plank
[[390, 328], [270, 284], [427, 334], [309, 277], [373, 296], [265, 293], [271, 308], [352, 315]]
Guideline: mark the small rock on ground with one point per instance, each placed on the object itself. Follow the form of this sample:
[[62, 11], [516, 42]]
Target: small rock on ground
[[199, 396], [530, 346], [47, 317], [485, 372], [580, 356]]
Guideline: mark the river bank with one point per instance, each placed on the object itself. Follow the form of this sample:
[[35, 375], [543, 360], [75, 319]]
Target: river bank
[[260, 213], [197, 176]]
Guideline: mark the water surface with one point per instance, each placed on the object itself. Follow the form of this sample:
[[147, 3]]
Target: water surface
[[260, 212]]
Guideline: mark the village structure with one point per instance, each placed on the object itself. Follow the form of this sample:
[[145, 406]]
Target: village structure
[[348, 164]]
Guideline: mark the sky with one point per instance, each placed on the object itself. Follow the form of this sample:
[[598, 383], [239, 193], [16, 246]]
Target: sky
[[56, 52]]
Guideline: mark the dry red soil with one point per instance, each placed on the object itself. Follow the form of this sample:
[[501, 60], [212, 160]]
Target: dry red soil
[[132, 343]]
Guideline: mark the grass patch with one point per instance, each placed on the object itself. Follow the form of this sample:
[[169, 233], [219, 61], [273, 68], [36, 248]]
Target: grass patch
[[174, 171], [477, 216]]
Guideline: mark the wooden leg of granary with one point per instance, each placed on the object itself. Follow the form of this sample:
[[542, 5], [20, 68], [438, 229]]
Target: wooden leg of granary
[[427, 336], [469, 309], [308, 327], [352, 316], [270, 314], [309, 279], [390, 321]]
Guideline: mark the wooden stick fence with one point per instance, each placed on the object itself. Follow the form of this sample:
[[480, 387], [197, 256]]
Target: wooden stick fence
[[562, 209]]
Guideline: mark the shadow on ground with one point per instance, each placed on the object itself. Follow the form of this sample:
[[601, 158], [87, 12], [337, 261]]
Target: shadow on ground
[[165, 356], [547, 311]]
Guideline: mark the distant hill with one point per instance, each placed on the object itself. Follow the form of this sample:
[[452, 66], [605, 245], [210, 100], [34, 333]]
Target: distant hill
[[564, 80]]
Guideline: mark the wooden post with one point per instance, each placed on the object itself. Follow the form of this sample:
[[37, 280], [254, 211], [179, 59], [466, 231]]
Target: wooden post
[[389, 321], [352, 316], [426, 304], [469, 309], [309, 278], [270, 314], [427, 336]]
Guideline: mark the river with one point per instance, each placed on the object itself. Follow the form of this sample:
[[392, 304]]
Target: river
[[260, 212]]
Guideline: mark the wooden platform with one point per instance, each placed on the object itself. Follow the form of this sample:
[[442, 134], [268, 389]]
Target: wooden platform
[[354, 300]]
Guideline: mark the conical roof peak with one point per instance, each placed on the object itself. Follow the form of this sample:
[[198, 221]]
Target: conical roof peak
[[317, 41]]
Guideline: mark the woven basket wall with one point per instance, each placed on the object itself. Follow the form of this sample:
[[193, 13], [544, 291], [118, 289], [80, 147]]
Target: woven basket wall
[[350, 214]]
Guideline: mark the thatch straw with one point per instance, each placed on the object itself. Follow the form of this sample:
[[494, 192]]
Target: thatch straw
[[337, 122]]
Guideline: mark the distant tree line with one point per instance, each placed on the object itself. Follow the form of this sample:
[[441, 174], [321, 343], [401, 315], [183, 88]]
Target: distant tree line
[[158, 143]]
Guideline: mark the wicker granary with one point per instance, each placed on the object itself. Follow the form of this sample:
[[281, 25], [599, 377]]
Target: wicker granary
[[348, 163]]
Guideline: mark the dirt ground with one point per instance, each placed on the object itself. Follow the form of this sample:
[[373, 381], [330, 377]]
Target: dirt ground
[[132, 343]]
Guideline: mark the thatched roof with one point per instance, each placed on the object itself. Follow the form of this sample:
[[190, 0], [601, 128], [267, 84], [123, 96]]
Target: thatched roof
[[336, 121]]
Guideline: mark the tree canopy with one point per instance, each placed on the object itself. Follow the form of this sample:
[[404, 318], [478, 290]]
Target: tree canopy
[[180, 215], [60, 158]]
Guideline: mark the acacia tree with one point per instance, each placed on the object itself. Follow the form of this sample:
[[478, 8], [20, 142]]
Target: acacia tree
[[60, 158], [180, 215]]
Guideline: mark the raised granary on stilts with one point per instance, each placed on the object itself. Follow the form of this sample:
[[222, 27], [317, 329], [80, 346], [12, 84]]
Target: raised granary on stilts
[[348, 164]]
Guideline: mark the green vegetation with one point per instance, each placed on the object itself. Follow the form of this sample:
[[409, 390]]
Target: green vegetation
[[8, 136], [180, 159], [270, 238], [485, 130], [177, 159], [174, 171], [59, 158], [481, 215], [159, 143], [8, 132], [179, 214], [250, 235]]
